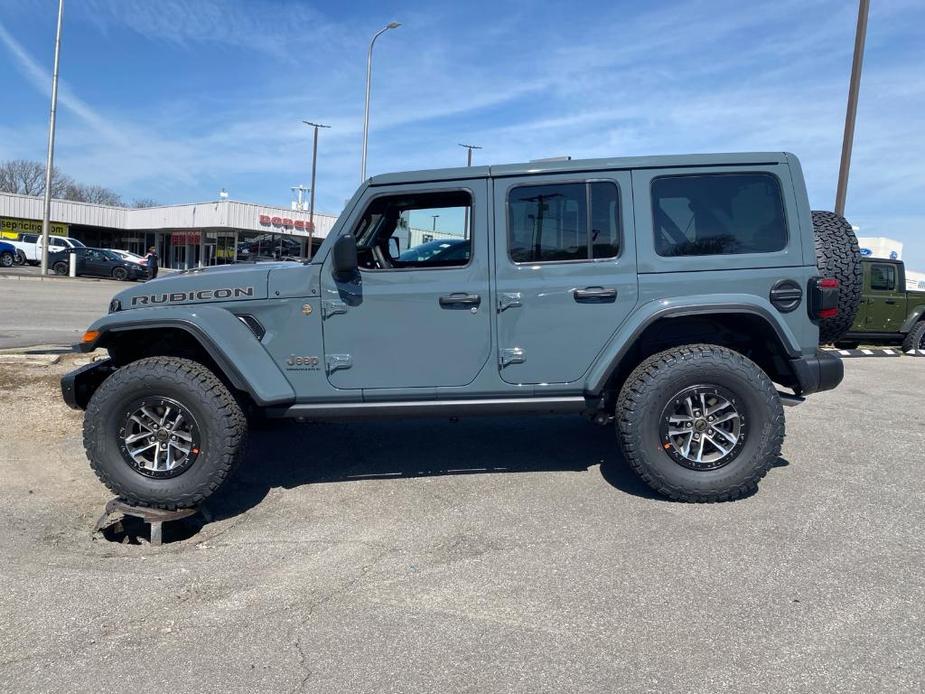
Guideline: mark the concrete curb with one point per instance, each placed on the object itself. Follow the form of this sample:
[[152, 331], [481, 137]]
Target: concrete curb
[[39, 278]]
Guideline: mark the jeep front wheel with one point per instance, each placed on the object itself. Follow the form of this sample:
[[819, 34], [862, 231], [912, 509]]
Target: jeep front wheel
[[700, 423], [163, 432], [915, 339]]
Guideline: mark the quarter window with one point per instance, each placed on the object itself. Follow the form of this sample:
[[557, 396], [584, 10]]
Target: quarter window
[[563, 221], [718, 214], [883, 277]]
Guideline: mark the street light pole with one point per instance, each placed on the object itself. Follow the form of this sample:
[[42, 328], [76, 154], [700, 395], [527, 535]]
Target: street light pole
[[468, 163], [369, 72], [49, 161], [311, 195], [860, 36]]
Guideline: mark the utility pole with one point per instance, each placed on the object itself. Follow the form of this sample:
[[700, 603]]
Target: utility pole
[[311, 198], [434, 227], [369, 73], [468, 163], [860, 35], [49, 161]]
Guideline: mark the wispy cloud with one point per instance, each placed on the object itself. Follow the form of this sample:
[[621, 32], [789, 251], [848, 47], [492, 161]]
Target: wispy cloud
[[524, 80]]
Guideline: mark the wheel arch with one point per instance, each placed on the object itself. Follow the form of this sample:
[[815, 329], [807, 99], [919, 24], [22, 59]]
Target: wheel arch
[[748, 328], [916, 315], [212, 336]]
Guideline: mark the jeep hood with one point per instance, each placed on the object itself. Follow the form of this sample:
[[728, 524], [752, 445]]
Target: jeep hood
[[202, 285]]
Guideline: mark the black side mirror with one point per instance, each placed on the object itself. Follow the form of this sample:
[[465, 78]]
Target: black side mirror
[[345, 264]]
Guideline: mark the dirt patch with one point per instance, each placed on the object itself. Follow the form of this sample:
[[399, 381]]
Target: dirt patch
[[30, 396]]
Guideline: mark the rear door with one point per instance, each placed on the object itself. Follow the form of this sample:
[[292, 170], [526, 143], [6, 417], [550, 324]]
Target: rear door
[[885, 299], [565, 271]]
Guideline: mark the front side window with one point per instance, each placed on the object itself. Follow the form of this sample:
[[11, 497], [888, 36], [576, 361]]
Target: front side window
[[883, 277], [718, 214], [417, 230], [563, 221]]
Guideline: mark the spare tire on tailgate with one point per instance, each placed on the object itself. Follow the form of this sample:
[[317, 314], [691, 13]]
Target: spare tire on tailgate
[[838, 256]]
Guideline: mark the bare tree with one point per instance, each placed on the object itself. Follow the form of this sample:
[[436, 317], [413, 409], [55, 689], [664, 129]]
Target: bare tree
[[98, 195], [145, 202], [28, 178]]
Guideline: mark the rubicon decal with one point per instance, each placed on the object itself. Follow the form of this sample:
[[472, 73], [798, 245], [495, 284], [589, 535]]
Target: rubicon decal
[[194, 295]]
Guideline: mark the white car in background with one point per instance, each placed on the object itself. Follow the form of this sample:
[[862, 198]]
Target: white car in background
[[29, 246], [128, 255]]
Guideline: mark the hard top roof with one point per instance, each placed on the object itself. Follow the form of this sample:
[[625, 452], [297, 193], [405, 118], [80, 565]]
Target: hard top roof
[[578, 165]]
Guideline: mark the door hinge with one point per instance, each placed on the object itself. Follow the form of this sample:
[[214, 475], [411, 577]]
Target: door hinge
[[334, 362], [331, 308], [508, 300], [512, 355]]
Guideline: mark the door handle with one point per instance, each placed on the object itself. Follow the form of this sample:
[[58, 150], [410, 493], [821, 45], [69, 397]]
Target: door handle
[[890, 301], [460, 300], [595, 295]]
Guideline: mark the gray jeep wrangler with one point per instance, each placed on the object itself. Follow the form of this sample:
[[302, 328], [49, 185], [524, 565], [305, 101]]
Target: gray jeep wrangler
[[667, 295]]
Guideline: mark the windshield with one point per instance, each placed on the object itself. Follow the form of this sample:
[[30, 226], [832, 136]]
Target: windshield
[[112, 256], [77, 244]]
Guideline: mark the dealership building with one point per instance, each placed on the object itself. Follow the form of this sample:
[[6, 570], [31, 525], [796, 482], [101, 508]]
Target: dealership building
[[185, 236]]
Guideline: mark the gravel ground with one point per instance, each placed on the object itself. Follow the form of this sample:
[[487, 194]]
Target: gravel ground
[[514, 555]]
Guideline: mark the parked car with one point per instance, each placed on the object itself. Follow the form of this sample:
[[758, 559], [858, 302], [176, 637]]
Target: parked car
[[30, 246], [96, 262], [437, 253], [8, 254], [889, 313], [128, 255]]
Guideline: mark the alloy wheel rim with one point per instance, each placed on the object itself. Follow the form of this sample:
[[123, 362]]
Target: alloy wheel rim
[[159, 437], [703, 427]]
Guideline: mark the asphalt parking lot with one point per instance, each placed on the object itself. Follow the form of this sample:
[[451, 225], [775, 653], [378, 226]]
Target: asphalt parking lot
[[52, 311], [484, 555]]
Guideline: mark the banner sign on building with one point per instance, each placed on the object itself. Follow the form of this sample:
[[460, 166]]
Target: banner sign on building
[[11, 227]]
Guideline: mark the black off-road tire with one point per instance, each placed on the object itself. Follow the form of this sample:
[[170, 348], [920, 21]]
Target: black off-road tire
[[221, 424], [7, 259], [838, 256], [120, 273], [60, 268], [652, 386], [915, 339]]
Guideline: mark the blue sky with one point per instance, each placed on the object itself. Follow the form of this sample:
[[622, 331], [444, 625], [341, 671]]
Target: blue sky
[[176, 99]]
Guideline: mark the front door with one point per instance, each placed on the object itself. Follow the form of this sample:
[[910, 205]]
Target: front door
[[565, 270], [418, 314]]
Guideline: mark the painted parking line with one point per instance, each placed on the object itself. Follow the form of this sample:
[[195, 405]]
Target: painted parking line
[[885, 352]]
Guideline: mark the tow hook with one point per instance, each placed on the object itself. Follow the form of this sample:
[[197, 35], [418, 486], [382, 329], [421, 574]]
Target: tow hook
[[602, 419]]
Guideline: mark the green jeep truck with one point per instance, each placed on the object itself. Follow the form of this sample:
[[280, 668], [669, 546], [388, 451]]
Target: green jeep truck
[[889, 313]]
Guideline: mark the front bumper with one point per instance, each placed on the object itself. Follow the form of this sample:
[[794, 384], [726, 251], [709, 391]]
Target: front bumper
[[822, 371], [79, 385]]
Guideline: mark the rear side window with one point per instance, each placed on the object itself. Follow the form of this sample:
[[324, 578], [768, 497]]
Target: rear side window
[[564, 222], [883, 277], [718, 214]]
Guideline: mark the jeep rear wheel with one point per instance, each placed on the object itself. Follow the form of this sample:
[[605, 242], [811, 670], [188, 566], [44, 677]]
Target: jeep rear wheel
[[838, 257], [700, 423], [163, 432]]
